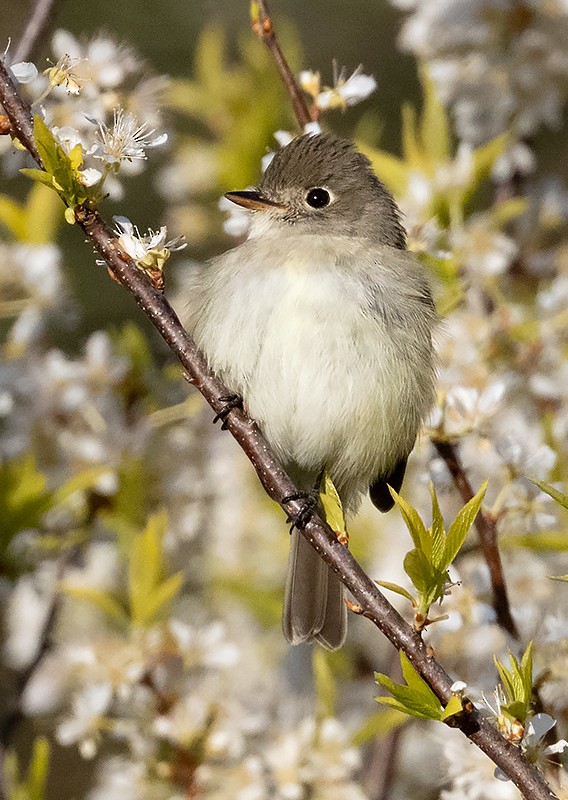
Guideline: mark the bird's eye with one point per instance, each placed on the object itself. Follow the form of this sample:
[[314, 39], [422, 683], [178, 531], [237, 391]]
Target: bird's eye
[[318, 198]]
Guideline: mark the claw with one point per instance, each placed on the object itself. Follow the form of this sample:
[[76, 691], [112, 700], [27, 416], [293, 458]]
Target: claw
[[300, 519], [230, 401]]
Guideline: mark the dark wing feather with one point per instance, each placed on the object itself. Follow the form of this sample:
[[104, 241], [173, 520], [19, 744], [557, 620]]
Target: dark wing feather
[[379, 491]]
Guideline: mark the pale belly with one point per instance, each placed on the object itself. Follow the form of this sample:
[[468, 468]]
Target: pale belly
[[328, 387]]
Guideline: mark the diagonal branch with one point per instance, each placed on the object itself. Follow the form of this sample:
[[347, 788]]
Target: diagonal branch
[[487, 533], [37, 27], [371, 602], [262, 26]]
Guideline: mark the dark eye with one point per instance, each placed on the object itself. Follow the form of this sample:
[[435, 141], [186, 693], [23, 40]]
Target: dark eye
[[318, 198]]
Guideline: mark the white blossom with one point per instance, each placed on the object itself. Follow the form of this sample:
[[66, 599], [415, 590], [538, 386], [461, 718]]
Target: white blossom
[[125, 140]]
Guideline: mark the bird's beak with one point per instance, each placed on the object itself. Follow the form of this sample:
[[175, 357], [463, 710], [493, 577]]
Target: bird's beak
[[254, 201]]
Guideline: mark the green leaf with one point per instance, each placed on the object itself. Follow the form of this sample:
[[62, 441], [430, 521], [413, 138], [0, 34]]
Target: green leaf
[[461, 525], [378, 725], [331, 503], [413, 522], [391, 170], [419, 570], [32, 785], [394, 587], [434, 124], [545, 541], [484, 157], [517, 683], [438, 531], [78, 483], [97, 597], [411, 148], [38, 769], [12, 216], [326, 689], [149, 591], [562, 578], [39, 175], [560, 497], [454, 707], [265, 604], [24, 498], [416, 698], [507, 211]]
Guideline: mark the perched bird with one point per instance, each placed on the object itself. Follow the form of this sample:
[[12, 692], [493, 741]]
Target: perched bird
[[322, 321]]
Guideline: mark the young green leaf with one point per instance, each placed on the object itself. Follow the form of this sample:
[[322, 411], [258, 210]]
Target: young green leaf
[[150, 592], [332, 508], [434, 123], [461, 525], [517, 684], [413, 522], [394, 587], [415, 698], [560, 497], [105, 601], [326, 689]]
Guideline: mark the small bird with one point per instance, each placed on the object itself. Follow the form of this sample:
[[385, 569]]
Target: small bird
[[321, 321]]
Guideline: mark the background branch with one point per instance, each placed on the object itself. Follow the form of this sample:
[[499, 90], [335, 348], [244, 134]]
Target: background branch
[[262, 26], [37, 29], [487, 532], [372, 603]]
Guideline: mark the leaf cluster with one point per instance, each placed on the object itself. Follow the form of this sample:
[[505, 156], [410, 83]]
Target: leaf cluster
[[434, 551], [416, 698], [61, 170], [517, 684]]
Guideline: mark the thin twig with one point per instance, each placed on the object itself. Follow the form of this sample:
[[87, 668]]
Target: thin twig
[[262, 26], [487, 532], [37, 28], [278, 485], [380, 774]]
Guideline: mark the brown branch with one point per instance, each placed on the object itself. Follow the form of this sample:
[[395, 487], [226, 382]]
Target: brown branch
[[263, 28], [278, 485], [37, 28], [487, 533]]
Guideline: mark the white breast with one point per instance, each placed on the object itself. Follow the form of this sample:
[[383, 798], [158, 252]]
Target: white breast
[[318, 371]]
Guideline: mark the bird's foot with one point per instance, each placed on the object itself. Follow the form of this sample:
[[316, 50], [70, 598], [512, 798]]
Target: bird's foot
[[308, 502], [230, 401]]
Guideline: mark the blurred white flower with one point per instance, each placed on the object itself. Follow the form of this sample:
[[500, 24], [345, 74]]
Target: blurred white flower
[[314, 755], [82, 727], [28, 610], [471, 773], [501, 66]]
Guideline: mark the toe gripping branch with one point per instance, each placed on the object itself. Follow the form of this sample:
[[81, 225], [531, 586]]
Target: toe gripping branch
[[229, 401], [308, 502]]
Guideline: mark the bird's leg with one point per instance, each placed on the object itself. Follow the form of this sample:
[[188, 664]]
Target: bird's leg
[[230, 401], [309, 501]]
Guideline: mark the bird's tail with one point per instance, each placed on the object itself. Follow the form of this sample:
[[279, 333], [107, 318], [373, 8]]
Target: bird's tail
[[313, 602]]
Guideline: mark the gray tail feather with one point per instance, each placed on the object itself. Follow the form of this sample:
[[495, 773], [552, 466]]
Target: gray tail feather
[[313, 602]]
